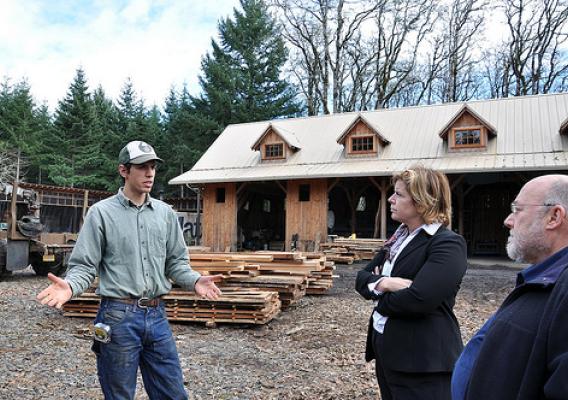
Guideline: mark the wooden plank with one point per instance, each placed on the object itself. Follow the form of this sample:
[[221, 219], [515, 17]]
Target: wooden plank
[[252, 257]]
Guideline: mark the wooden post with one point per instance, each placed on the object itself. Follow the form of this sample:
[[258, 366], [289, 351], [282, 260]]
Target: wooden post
[[456, 185], [383, 187], [85, 207], [198, 217], [460, 198], [13, 221]]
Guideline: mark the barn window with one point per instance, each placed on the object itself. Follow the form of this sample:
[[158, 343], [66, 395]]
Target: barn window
[[362, 144], [274, 150], [220, 195], [470, 137], [304, 193]]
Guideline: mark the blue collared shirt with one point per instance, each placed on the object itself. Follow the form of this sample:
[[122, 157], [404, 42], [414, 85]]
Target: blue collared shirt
[[544, 273]]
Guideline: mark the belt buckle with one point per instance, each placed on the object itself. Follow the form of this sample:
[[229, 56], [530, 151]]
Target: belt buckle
[[143, 302]]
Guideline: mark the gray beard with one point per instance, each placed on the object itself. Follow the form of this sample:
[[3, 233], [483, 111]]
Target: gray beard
[[527, 249]]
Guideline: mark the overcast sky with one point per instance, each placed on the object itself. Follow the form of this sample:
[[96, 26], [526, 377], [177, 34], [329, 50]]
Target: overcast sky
[[156, 43]]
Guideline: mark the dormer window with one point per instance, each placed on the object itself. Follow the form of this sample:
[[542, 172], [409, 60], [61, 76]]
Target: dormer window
[[362, 144], [274, 150], [276, 144], [467, 131], [361, 139]]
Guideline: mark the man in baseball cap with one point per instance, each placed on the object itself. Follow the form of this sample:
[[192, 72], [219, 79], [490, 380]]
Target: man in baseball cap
[[137, 152], [135, 245]]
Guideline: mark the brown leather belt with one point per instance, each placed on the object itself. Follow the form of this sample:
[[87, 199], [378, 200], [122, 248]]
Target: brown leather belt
[[141, 302]]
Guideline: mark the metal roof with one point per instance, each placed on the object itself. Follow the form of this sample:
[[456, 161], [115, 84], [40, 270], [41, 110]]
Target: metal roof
[[527, 138]]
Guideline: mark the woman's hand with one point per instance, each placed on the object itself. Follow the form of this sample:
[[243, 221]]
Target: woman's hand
[[392, 284]]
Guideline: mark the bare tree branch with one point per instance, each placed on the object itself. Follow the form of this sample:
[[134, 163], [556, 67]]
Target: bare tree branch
[[537, 33]]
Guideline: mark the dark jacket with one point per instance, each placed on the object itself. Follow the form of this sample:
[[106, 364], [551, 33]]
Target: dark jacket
[[422, 332], [524, 355]]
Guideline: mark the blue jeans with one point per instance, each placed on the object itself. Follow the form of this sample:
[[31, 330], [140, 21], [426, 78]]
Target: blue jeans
[[139, 337]]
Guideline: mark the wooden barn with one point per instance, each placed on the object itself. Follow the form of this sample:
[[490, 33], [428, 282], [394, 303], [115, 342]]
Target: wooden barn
[[290, 183]]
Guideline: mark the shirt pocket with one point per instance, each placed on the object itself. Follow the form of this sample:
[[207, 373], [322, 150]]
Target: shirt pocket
[[157, 241]]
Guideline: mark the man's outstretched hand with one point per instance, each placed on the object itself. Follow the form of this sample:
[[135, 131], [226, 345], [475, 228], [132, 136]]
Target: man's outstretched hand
[[205, 286], [56, 294]]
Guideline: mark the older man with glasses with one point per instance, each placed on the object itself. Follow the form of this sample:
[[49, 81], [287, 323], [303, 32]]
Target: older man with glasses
[[522, 350]]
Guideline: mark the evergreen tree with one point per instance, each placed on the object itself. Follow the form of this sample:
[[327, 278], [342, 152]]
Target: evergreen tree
[[76, 144], [171, 105], [185, 136], [241, 77], [106, 128], [22, 125], [134, 118], [40, 153], [129, 110]]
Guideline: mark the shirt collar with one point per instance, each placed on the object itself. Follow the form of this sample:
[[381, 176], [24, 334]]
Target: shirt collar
[[126, 202], [430, 229], [545, 272]]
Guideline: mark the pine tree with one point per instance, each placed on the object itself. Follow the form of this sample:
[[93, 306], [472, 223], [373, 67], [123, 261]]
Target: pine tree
[[132, 115], [22, 125], [171, 105], [106, 129], [241, 77], [76, 153], [190, 132]]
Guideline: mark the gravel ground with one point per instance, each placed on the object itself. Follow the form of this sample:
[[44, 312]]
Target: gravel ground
[[312, 351]]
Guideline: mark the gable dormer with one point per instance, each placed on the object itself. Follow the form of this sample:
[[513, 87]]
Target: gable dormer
[[361, 139], [467, 131], [276, 144]]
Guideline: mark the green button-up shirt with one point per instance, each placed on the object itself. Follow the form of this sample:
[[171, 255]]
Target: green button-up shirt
[[135, 251]]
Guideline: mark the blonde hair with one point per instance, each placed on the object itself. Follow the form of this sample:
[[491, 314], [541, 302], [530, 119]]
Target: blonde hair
[[430, 191]]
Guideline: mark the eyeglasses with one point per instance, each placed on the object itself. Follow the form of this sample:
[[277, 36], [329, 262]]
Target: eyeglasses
[[515, 208]]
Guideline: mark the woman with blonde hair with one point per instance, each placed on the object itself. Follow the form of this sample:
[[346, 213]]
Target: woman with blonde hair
[[414, 335]]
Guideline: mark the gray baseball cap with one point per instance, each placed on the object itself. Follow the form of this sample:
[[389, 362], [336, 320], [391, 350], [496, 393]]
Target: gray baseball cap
[[137, 152]]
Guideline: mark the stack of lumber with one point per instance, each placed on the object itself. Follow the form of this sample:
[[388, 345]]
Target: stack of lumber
[[319, 282], [244, 306], [255, 288], [235, 305], [291, 274], [345, 251]]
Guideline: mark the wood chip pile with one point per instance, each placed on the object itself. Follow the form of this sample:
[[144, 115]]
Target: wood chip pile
[[345, 251]]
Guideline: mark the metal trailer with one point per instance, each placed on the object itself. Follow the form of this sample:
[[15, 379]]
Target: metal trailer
[[22, 240]]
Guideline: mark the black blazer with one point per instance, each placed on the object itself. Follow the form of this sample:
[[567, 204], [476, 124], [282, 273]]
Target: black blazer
[[422, 333]]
